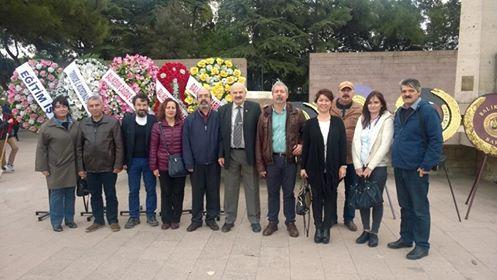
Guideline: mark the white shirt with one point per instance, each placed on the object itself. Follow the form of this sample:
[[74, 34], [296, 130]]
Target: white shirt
[[141, 120], [324, 126], [367, 134], [233, 118]]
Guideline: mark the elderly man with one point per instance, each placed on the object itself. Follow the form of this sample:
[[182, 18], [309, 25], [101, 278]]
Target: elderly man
[[238, 122], [200, 153], [101, 148], [416, 149], [278, 143], [349, 111]]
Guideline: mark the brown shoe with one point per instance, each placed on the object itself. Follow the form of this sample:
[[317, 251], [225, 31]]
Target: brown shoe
[[270, 229], [165, 226], [351, 225], [292, 230], [93, 227], [115, 227], [174, 225]]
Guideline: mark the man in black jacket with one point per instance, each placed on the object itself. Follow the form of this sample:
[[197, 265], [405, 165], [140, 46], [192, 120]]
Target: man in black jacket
[[238, 121], [101, 148], [136, 129]]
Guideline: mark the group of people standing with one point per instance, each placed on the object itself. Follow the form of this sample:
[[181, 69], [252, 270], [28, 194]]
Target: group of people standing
[[344, 141]]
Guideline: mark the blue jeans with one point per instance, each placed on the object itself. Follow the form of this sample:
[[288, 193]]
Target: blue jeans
[[281, 174], [61, 206], [107, 181], [412, 193], [350, 180], [136, 168]]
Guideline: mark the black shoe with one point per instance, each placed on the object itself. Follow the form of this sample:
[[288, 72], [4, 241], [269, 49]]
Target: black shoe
[[57, 228], [256, 227], [351, 225], [131, 223], [399, 244], [193, 227], [152, 221], [227, 227], [71, 225], [326, 236], [318, 235], [417, 253], [212, 225], [373, 240], [363, 238]]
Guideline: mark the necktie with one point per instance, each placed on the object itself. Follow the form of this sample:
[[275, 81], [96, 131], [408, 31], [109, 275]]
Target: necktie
[[238, 128]]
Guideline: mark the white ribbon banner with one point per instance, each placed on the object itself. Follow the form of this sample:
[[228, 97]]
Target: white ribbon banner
[[193, 87], [163, 94], [36, 88], [79, 85], [118, 85]]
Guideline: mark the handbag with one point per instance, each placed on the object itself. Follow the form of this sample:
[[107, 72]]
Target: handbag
[[365, 194], [176, 166], [82, 187], [303, 205]]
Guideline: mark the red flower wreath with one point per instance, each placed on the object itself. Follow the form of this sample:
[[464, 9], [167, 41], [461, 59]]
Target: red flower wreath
[[173, 76]]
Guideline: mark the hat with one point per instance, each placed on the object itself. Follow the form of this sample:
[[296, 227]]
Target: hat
[[346, 84]]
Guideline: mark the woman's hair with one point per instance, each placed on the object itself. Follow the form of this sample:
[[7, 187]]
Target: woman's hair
[[366, 115], [161, 115], [62, 100], [326, 92]]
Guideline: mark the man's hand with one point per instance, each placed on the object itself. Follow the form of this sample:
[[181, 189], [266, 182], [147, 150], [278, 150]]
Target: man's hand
[[367, 172], [297, 150], [156, 173], [342, 172], [263, 174], [303, 173], [190, 170], [221, 161], [45, 173], [422, 172], [117, 170], [358, 171], [125, 167], [82, 174]]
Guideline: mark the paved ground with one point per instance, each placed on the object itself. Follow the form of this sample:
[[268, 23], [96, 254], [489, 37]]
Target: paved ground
[[31, 250]]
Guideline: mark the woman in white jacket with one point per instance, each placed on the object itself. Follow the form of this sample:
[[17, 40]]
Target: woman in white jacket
[[372, 139]]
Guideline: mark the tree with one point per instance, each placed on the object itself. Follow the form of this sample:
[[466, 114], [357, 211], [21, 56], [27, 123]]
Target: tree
[[442, 30]]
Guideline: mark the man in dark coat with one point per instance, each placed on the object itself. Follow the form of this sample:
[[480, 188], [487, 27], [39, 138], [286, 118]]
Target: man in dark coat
[[238, 122]]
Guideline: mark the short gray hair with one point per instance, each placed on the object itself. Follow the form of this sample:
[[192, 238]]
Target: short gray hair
[[95, 98], [413, 83], [279, 83]]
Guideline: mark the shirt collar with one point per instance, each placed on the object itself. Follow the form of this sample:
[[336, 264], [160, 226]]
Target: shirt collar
[[414, 105], [282, 111], [236, 106]]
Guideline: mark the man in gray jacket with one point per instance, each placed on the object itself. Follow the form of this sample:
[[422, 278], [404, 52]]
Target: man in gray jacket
[[101, 148]]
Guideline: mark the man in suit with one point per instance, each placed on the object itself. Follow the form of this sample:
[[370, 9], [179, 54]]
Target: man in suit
[[238, 122], [136, 129]]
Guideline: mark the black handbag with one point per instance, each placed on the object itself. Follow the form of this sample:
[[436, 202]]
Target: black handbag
[[176, 166], [82, 187], [303, 205], [365, 194]]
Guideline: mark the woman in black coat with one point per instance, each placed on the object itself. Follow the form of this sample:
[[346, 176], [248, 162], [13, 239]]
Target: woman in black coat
[[324, 165]]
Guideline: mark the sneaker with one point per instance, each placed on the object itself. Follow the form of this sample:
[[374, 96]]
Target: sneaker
[[131, 223], [115, 227], [152, 221], [93, 227], [9, 168]]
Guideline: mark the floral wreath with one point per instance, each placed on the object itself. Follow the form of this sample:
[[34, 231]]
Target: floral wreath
[[24, 107], [139, 73], [217, 75], [174, 77], [92, 71]]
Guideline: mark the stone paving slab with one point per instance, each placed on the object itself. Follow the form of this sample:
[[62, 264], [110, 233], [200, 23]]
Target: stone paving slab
[[31, 250]]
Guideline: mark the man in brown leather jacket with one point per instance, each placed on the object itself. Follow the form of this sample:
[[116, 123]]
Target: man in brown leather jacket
[[278, 143], [101, 148], [349, 111]]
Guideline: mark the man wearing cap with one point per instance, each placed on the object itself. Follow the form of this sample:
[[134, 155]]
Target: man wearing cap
[[349, 111]]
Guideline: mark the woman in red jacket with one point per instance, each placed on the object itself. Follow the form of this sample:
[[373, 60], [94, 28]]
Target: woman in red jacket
[[7, 124], [166, 140]]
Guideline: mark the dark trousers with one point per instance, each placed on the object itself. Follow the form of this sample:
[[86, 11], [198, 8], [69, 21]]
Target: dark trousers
[[379, 175], [350, 180], [172, 192], [61, 206], [324, 202], [281, 174], [205, 181], [412, 193], [107, 182], [136, 168]]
